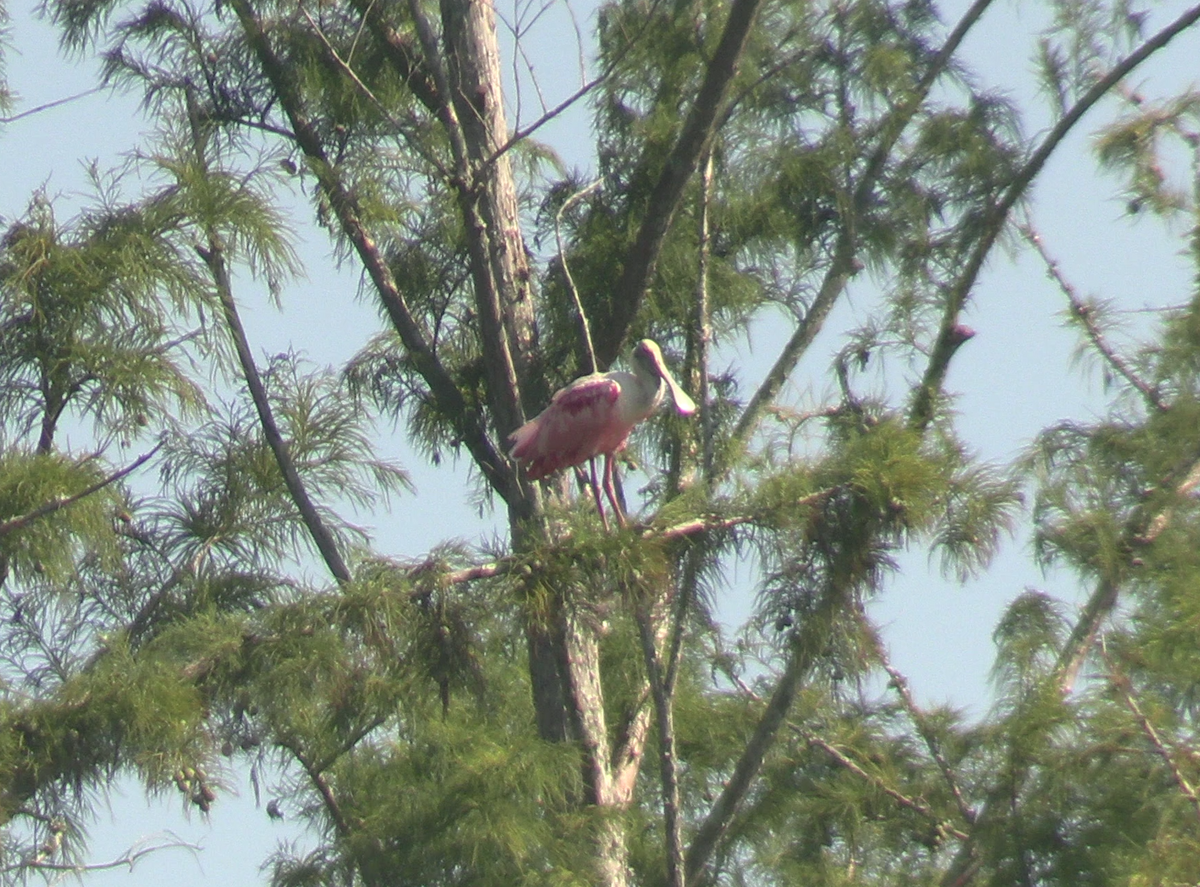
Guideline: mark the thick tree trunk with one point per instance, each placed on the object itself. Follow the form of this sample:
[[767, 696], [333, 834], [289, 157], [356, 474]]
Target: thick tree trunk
[[488, 197]]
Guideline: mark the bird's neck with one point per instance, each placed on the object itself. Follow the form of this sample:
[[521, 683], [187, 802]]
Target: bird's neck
[[649, 391]]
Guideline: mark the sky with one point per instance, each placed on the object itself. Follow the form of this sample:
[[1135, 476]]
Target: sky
[[1014, 378]]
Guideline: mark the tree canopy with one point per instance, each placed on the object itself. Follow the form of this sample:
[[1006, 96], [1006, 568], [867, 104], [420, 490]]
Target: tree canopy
[[184, 592]]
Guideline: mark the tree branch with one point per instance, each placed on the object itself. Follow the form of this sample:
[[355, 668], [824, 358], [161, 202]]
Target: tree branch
[[344, 67], [694, 138], [468, 423], [668, 768], [899, 797], [1107, 592], [719, 817], [900, 684], [844, 264], [1086, 315], [402, 56], [324, 789], [585, 328], [16, 523], [1124, 687], [214, 258], [126, 860], [950, 336], [13, 118]]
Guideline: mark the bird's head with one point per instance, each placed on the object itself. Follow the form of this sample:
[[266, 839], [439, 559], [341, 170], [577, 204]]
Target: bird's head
[[648, 359]]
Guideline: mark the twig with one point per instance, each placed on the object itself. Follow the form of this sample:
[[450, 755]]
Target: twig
[[900, 683], [56, 504], [396, 124], [1087, 316], [585, 327], [1124, 686], [129, 859], [49, 105], [899, 797]]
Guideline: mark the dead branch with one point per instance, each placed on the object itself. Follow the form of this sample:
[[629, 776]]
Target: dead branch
[[13, 118], [128, 859], [585, 326]]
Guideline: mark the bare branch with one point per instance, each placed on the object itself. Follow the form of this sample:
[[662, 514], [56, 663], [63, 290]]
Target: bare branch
[[703, 328], [129, 859], [585, 327], [529, 129], [321, 784], [48, 105], [1107, 592], [400, 53]]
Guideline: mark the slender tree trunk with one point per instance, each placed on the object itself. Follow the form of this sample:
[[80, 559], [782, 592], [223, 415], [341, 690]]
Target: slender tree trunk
[[564, 659], [580, 666]]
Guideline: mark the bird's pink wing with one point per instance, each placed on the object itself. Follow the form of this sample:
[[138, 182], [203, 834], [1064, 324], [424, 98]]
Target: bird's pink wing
[[582, 421]]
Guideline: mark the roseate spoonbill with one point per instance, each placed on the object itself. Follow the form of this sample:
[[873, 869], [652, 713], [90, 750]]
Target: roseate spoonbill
[[593, 416]]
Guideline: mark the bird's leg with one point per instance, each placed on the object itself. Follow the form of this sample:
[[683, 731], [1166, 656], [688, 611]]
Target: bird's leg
[[595, 486], [610, 490]]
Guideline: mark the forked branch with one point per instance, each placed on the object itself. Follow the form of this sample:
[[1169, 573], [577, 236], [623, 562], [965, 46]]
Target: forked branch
[[128, 859]]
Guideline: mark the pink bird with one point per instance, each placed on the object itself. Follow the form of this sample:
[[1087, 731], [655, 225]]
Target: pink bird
[[594, 415]]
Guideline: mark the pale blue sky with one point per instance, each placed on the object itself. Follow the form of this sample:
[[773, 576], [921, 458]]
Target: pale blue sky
[[1015, 377]]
